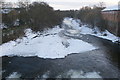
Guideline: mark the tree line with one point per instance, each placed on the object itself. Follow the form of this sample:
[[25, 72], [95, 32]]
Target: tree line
[[37, 16], [88, 15], [92, 16], [40, 15]]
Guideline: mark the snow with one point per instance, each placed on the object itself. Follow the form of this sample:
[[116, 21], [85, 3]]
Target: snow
[[86, 30], [45, 75], [109, 36], [74, 28], [44, 46], [115, 7], [5, 11], [79, 74], [69, 74], [2, 25], [74, 32], [73, 74], [14, 75], [71, 23]]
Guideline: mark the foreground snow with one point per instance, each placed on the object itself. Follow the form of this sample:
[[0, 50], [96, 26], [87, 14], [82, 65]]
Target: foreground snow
[[14, 75], [74, 74], [70, 74], [81, 74], [46, 45]]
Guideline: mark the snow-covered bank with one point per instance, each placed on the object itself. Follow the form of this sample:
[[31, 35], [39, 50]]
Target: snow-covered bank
[[75, 28], [14, 75], [106, 34], [69, 74], [45, 45]]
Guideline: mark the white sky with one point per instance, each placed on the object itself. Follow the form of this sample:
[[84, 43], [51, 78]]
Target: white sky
[[74, 4]]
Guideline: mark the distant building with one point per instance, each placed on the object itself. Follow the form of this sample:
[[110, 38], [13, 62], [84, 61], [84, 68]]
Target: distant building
[[112, 17]]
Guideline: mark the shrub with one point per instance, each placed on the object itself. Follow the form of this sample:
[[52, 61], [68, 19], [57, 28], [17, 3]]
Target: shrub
[[92, 16], [9, 18], [39, 15]]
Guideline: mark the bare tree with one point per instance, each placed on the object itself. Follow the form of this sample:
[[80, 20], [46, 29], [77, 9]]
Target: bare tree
[[102, 4], [23, 3]]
